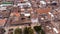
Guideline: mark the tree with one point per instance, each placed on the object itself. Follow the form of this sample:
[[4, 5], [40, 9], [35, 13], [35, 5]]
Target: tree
[[25, 30], [42, 32], [37, 29], [18, 31], [28, 30], [2, 30]]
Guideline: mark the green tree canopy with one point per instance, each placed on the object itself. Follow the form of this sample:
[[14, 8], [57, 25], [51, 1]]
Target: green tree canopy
[[42, 32], [2, 30], [18, 31], [28, 30], [37, 28]]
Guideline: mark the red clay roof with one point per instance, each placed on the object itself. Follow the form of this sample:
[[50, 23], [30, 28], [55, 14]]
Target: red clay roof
[[43, 10], [2, 21]]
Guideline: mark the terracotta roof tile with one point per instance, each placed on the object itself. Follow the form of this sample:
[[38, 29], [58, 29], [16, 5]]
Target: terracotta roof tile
[[43, 10], [2, 22]]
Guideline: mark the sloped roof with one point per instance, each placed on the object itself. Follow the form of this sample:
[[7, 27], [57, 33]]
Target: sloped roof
[[2, 21], [7, 3], [16, 14], [9, 0], [45, 10]]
